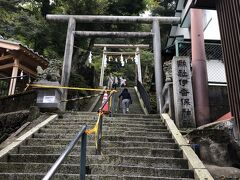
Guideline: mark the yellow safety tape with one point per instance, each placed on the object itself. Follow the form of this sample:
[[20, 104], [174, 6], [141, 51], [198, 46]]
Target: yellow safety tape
[[95, 129], [80, 98], [66, 87]]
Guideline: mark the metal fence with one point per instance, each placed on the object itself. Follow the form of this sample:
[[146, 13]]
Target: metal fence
[[215, 64], [213, 50]]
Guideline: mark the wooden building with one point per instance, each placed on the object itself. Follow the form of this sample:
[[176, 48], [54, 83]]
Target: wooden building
[[18, 61]]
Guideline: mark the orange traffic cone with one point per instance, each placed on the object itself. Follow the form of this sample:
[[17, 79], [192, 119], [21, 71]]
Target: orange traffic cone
[[105, 108]]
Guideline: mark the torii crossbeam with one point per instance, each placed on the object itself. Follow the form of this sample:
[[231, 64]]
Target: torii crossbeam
[[132, 46]]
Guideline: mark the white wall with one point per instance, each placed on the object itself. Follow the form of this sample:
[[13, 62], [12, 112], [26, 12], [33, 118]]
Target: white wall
[[211, 31], [216, 71]]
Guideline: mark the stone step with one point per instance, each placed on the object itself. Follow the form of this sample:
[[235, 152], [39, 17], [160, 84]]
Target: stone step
[[58, 176], [107, 123], [138, 138], [123, 118], [140, 151], [164, 145], [116, 115], [74, 131], [50, 149], [106, 159], [113, 125], [39, 142], [134, 151], [129, 177], [96, 169], [113, 132], [106, 137], [140, 171], [149, 122], [134, 146], [150, 116], [36, 168], [159, 129]]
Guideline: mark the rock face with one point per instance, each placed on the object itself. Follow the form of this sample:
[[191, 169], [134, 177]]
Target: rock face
[[167, 68], [224, 172], [218, 150], [18, 102], [51, 73], [10, 122]]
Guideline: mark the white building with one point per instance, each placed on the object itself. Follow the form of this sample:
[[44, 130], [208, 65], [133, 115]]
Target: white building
[[180, 40]]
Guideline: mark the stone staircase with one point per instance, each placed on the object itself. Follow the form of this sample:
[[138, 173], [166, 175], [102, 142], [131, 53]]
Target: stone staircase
[[135, 107], [134, 147]]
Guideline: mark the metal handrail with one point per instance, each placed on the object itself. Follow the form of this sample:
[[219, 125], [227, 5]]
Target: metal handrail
[[59, 161], [105, 102], [82, 134], [99, 129], [144, 95]]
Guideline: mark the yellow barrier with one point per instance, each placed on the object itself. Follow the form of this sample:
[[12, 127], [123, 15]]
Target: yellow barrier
[[95, 128], [65, 87]]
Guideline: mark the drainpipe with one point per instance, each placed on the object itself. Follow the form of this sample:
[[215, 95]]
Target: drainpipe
[[199, 68]]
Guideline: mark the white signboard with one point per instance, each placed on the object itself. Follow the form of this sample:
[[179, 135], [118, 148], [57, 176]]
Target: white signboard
[[49, 99]]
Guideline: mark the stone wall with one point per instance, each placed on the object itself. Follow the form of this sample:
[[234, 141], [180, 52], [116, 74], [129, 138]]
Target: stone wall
[[17, 102], [10, 122]]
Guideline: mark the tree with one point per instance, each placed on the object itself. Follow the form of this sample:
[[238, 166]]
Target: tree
[[164, 8]]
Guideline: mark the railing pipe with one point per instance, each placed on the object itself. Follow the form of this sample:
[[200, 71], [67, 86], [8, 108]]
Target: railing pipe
[[99, 137], [144, 95], [83, 154], [99, 131], [59, 161], [113, 105], [105, 102]]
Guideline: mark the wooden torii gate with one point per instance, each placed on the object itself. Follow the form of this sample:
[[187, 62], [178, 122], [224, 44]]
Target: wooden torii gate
[[155, 34], [137, 55]]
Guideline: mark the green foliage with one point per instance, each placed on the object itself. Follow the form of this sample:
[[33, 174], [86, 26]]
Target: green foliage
[[24, 20], [164, 8], [125, 7]]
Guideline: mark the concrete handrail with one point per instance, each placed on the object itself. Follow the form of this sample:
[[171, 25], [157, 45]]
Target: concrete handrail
[[200, 171]]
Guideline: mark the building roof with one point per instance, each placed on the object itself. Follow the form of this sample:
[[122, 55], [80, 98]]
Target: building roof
[[10, 50], [182, 10], [204, 4]]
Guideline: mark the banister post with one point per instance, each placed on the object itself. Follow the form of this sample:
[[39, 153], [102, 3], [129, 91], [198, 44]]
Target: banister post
[[99, 137], [83, 156]]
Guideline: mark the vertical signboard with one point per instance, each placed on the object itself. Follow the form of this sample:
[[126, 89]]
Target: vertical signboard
[[182, 90]]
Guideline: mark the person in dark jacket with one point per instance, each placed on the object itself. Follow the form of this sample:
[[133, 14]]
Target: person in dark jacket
[[126, 100]]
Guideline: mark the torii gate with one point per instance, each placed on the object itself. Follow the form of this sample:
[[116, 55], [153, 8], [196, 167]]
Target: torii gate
[[137, 56], [114, 19]]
